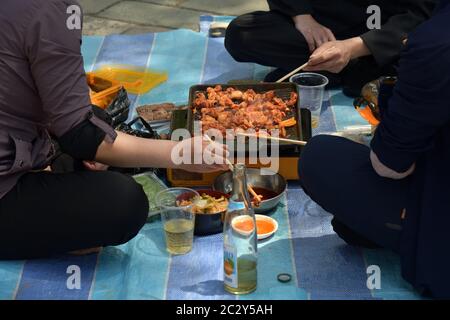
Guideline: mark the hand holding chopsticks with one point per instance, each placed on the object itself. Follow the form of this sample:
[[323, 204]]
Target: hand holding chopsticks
[[257, 198]]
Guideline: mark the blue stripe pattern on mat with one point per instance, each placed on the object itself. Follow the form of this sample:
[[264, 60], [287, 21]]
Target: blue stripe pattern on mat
[[134, 271], [220, 67], [181, 53], [344, 112], [393, 286], [198, 274], [327, 268], [275, 256], [90, 50], [47, 279], [10, 275], [131, 50]]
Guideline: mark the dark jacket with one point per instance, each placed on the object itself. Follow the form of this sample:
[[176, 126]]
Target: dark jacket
[[416, 129], [398, 17]]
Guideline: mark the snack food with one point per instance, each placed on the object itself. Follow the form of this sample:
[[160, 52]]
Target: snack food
[[206, 204], [242, 110], [156, 112]]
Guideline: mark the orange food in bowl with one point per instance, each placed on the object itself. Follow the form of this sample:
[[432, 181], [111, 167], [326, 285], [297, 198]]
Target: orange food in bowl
[[262, 226], [245, 225]]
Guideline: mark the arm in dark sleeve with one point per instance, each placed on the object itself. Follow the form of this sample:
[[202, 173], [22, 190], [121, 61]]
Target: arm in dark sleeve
[[83, 140], [386, 43], [419, 106], [56, 63], [291, 8]]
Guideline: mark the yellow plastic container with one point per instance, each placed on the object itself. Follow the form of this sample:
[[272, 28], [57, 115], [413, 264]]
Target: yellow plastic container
[[135, 80], [102, 91]]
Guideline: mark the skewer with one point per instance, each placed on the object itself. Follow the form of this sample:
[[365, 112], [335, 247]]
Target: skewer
[[257, 197], [292, 73], [297, 142]]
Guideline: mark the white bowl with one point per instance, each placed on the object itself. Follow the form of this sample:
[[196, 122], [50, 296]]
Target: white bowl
[[269, 219]]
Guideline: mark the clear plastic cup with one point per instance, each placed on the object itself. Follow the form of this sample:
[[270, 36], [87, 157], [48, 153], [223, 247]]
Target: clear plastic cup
[[311, 87], [178, 218]]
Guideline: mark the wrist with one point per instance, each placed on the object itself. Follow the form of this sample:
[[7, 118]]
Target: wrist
[[301, 18], [357, 47], [169, 152]]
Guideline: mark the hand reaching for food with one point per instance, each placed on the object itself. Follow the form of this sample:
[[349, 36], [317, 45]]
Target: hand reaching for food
[[203, 156], [315, 34]]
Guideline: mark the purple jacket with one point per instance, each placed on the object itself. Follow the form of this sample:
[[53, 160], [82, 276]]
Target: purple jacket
[[43, 88]]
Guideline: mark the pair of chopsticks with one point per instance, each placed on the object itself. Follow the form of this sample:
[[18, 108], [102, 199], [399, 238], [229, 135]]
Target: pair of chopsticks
[[256, 196], [297, 142], [292, 73], [298, 69]]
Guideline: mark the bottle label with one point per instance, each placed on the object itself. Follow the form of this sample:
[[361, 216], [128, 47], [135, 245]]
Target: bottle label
[[230, 266]]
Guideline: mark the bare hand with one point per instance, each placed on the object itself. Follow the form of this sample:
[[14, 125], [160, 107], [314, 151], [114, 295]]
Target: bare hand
[[386, 172], [332, 56], [314, 33], [200, 155]]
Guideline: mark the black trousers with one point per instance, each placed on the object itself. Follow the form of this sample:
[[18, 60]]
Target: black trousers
[[271, 39], [337, 174], [52, 213]]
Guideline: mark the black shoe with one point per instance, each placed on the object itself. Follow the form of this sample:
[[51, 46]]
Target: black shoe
[[276, 74], [351, 237]]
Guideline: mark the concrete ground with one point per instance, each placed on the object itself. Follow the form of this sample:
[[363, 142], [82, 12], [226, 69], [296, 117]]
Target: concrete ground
[[102, 17]]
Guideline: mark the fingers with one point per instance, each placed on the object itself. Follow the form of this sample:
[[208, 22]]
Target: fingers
[[328, 66], [310, 41], [321, 56], [330, 35], [322, 36]]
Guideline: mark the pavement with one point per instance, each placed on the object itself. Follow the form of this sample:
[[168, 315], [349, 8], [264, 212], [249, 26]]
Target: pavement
[[103, 17]]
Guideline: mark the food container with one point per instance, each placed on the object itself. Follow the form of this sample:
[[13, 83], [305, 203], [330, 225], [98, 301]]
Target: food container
[[207, 224], [301, 131], [136, 80], [273, 182]]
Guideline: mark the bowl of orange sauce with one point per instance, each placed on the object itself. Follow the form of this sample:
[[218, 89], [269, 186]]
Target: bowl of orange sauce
[[265, 226]]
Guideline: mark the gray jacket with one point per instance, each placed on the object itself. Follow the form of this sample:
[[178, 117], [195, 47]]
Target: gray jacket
[[43, 88]]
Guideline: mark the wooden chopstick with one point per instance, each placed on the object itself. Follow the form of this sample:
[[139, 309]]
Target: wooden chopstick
[[256, 196], [297, 142], [292, 73], [231, 167]]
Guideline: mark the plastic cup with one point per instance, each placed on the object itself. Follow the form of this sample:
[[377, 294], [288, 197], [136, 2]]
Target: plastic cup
[[311, 87], [178, 219]]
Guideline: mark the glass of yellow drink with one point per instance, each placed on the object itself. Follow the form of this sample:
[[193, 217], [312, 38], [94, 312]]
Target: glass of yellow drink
[[178, 219]]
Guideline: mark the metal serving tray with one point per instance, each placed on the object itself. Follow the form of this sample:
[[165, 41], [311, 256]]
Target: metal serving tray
[[301, 131]]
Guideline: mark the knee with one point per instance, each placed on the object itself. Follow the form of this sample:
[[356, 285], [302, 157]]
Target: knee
[[235, 39], [130, 210], [314, 157]]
